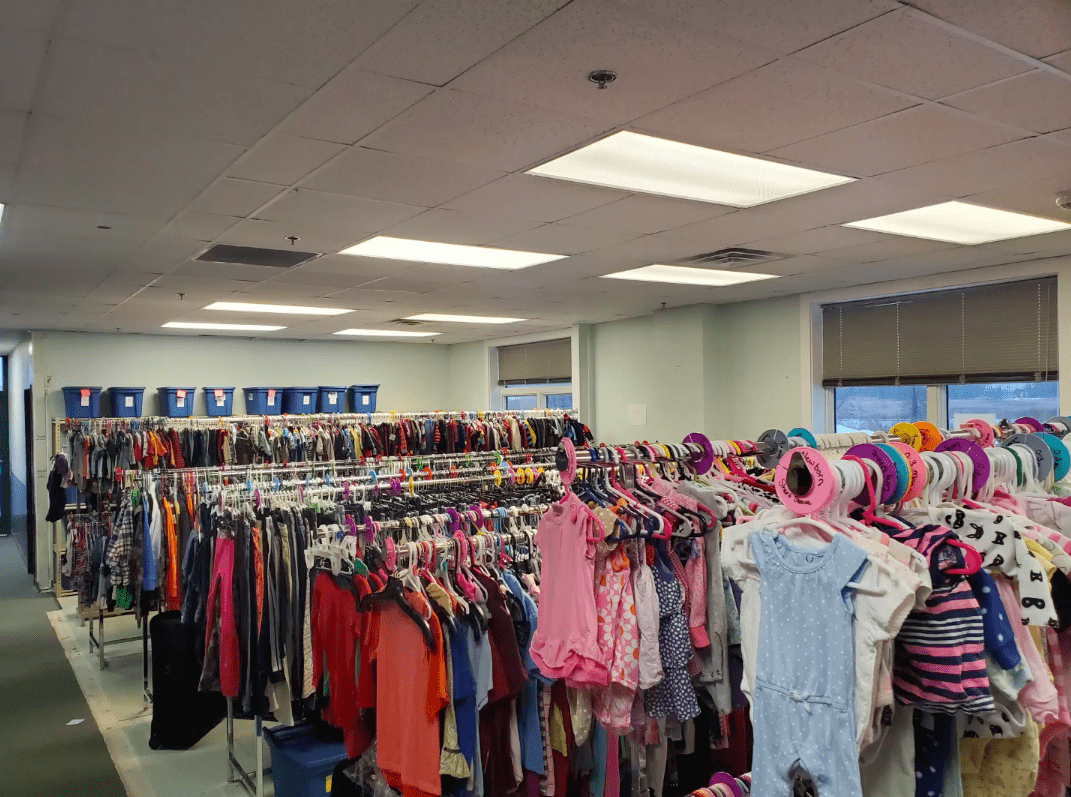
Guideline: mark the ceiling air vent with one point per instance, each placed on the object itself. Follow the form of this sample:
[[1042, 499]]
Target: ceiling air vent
[[407, 322], [255, 256], [734, 256]]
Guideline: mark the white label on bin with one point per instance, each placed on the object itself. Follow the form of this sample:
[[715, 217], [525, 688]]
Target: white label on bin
[[364, 399], [271, 398], [180, 401], [128, 401], [305, 399], [332, 398]]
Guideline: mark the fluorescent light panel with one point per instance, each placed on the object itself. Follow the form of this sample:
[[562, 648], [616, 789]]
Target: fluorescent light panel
[[650, 165], [447, 254], [960, 223], [251, 307], [683, 275], [387, 333], [464, 319], [222, 327]]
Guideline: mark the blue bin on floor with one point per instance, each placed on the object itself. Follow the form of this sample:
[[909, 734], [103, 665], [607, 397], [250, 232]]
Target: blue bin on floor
[[81, 402], [332, 399], [301, 761], [300, 400], [263, 401], [218, 401], [363, 397], [126, 401], [177, 401]]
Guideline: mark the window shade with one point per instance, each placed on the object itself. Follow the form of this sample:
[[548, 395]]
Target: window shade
[[545, 361], [988, 333]]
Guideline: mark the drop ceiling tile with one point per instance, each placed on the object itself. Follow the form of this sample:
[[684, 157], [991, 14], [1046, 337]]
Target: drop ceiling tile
[[32, 240], [12, 127], [986, 169], [37, 15], [411, 282], [1061, 61], [283, 159], [440, 39], [482, 131], [7, 181], [351, 105], [1038, 101], [227, 271], [455, 227], [366, 268], [772, 106], [274, 235], [1061, 137], [21, 56], [272, 38], [272, 292], [1049, 245], [785, 27], [1037, 198], [230, 197], [801, 264], [562, 239], [195, 226], [644, 214], [87, 82], [405, 179], [163, 254], [821, 239], [904, 52], [80, 189], [324, 283], [526, 196], [892, 247], [59, 221], [1035, 27], [657, 62], [125, 153], [907, 138], [344, 215]]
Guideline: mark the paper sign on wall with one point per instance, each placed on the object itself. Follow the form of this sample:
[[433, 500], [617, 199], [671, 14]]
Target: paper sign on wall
[[84, 395], [636, 414], [271, 398]]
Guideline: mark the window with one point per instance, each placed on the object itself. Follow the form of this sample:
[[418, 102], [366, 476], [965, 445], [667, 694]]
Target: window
[[872, 409], [996, 401], [522, 401], [559, 401], [534, 376]]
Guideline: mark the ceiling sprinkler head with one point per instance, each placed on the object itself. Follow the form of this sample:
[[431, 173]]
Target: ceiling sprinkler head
[[603, 77], [293, 239]]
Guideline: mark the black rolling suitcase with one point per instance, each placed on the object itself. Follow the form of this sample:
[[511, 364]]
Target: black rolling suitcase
[[181, 715]]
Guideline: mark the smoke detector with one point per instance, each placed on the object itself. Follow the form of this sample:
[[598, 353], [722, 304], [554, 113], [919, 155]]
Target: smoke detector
[[1063, 200]]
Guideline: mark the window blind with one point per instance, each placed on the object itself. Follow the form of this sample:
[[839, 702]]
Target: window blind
[[1004, 332], [533, 363]]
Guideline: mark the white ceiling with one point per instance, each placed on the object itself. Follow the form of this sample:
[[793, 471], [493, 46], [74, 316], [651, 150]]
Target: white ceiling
[[179, 123]]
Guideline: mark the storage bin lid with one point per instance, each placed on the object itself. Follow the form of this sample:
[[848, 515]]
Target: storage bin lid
[[330, 387], [177, 388], [301, 745], [364, 387], [206, 389], [127, 388], [83, 387]]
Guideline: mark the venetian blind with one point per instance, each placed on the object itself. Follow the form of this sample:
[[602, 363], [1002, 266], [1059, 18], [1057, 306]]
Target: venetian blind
[[1003, 332], [532, 363]]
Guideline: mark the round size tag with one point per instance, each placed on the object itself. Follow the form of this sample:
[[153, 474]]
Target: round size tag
[[1033, 423], [908, 433], [703, 461], [1061, 457], [986, 435], [1042, 453], [903, 474], [774, 446], [565, 459], [917, 468], [931, 435], [803, 434], [978, 458], [888, 486], [804, 481]]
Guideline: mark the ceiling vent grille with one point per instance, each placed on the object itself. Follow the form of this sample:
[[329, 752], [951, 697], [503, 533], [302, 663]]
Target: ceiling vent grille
[[255, 256], [734, 256], [407, 322]]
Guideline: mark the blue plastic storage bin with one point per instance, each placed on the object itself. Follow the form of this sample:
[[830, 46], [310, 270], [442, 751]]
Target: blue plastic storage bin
[[300, 400], [126, 401], [177, 402], [363, 397], [263, 401], [301, 762], [81, 402], [332, 399], [218, 401]]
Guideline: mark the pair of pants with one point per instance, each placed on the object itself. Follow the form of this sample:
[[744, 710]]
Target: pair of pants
[[221, 632]]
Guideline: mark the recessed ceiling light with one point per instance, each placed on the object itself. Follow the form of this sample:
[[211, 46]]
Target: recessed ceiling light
[[636, 162], [222, 327], [292, 309], [386, 333], [447, 254], [683, 275], [960, 223], [464, 319]]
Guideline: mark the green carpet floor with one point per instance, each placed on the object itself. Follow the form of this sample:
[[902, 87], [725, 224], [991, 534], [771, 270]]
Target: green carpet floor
[[40, 755]]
